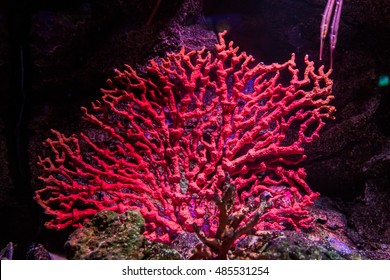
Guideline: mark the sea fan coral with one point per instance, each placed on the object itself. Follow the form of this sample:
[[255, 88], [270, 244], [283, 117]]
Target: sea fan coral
[[169, 142]]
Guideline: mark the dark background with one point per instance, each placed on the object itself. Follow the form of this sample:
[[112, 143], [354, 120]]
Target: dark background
[[55, 55]]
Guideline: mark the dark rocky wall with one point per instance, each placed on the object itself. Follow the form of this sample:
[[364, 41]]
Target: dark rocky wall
[[71, 47]]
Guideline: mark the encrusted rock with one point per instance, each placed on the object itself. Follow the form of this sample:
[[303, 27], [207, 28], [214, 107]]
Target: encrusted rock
[[109, 235]]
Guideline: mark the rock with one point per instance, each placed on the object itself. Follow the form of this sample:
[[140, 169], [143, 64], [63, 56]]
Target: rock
[[184, 243], [33, 251], [290, 245], [112, 236]]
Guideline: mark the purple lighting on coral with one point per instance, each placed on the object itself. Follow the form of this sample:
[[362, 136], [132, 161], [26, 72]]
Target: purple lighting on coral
[[170, 162]]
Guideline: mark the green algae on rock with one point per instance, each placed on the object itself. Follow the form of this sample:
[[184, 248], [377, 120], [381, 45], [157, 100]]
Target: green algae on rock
[[113, 236]]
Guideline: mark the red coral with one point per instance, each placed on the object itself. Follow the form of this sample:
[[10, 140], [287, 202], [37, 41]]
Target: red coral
[[167, 143]]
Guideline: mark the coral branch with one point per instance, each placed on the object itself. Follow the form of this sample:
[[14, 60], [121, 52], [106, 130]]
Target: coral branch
[[166, 144]]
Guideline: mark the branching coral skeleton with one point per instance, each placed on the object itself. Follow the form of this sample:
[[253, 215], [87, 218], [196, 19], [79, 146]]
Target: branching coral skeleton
[[170, 142]]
